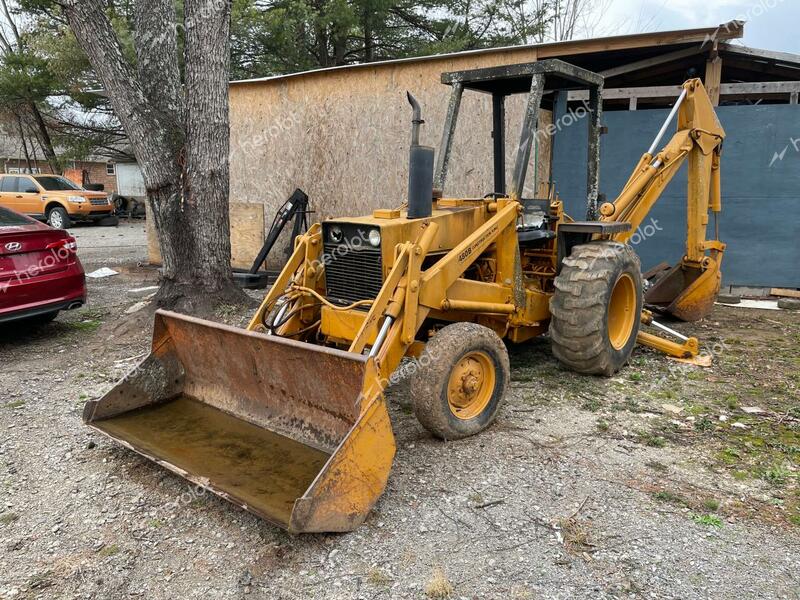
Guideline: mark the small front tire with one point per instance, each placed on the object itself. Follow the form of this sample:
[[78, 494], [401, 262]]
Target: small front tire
[[460, 381]]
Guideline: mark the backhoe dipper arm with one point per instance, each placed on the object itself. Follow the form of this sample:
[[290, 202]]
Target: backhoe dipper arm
[[699, 138]]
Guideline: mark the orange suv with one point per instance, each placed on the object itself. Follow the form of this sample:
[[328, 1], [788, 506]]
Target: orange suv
[[52, 198]]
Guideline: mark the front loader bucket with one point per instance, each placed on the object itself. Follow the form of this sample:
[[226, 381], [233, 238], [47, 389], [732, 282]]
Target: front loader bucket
[[276, 426], [686, 291]]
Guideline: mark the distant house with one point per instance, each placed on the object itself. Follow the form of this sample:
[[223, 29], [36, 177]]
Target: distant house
[[122, 177]]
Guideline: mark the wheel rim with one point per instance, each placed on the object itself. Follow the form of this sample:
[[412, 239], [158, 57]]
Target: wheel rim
[[55, 219], [622, 311], [471, 385]]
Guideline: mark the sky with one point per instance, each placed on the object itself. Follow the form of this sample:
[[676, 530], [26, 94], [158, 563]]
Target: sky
[[770, 24]]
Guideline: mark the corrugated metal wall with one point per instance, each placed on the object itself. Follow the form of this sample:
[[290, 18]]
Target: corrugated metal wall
[[761, 192]]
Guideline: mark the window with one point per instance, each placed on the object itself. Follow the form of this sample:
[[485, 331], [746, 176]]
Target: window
[[9, 184], [11, 219], [54, 183], [110, 168], [27, 186]]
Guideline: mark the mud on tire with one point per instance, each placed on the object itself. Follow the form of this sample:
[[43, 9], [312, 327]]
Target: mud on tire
[[450, 354], [595, 308]]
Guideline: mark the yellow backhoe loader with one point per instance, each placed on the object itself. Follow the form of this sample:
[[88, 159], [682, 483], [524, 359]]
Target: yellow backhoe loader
[[287, 418]]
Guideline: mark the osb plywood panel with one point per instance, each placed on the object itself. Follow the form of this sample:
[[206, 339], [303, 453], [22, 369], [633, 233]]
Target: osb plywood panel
[[247, 234], [343, 136]]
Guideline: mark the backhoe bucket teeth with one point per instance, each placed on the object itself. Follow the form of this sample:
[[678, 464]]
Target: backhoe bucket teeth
[[278, 427], [686, 291]]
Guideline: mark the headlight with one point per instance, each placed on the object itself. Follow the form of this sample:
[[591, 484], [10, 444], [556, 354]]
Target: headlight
[[76, 199], [336, 234], [375, 237]]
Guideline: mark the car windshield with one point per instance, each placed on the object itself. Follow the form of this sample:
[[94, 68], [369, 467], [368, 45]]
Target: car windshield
[[8, 218], [55, 183]]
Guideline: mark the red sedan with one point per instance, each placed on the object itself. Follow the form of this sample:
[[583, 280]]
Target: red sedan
[[40, 273]]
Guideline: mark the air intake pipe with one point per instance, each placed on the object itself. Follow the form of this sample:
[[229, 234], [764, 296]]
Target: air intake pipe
[[420, 169]]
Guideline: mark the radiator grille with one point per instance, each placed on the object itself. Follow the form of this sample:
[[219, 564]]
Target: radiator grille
[[99, 201], [352, 274]]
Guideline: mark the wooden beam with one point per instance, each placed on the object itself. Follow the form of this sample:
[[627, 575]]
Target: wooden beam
[[784, 57], [663, 91], [713, 79], [769, 87], [784, 292], [632, 103], [651, 62], [725, 31], [793, 98], [673, 91], [773, 70]]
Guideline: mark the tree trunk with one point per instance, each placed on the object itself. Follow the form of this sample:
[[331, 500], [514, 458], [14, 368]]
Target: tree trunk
[[24, 144], [44, 139], [182, 151], [207, 124]]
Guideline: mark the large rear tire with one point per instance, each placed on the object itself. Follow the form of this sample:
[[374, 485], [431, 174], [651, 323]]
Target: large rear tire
[[461, 381], [596, 308]]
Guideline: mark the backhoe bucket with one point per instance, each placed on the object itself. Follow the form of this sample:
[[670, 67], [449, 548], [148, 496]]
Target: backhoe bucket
[[686, 291], [278, 427]]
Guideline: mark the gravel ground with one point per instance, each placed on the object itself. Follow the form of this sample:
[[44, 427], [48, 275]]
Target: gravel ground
[[666, 481]]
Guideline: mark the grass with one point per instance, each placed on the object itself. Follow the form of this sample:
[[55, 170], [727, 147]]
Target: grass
[[40, 580], [86, 326], [576, 536], [8, 518], [377, 576], [776, 475], [704, 424], [592, 404], [670, 498], [438, 585], [707, 520], [649, 438], [657, 466], [92, 313], [15, 404], [109, 550], [711, 505], [603, 426]]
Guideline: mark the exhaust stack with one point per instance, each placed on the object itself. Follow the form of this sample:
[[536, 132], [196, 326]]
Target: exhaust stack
[[420, 169]]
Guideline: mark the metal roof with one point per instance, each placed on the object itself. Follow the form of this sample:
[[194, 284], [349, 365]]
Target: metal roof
[[652, 41]]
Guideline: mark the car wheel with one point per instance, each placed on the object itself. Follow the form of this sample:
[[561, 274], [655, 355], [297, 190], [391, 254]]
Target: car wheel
[[58, 218]]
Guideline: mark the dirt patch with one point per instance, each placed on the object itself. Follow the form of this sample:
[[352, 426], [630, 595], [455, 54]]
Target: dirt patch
[[640, 484]]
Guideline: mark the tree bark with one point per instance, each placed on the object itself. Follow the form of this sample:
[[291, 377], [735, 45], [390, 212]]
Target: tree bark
[[182, 150]]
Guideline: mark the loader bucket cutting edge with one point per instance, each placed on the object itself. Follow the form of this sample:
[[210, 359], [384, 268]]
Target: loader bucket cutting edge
[[276, 426]]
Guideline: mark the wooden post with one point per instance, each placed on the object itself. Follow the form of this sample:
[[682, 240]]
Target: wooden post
[[713, 79]]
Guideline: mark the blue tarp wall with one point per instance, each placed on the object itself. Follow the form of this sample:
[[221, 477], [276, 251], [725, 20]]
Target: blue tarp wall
[[760, 219]]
